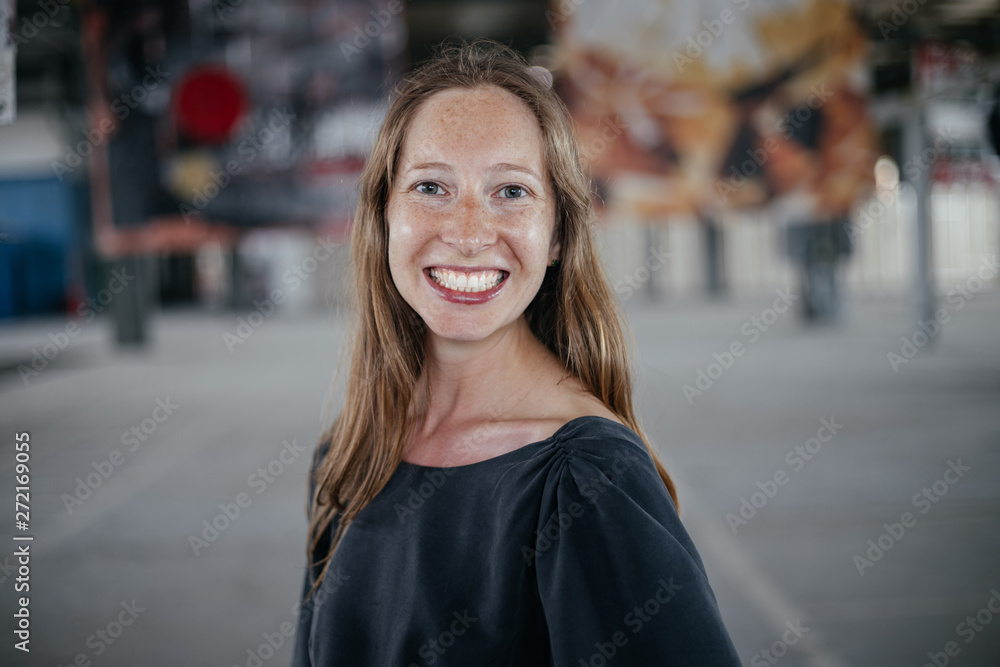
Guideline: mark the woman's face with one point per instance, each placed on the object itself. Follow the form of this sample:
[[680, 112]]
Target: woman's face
[[472, 214]]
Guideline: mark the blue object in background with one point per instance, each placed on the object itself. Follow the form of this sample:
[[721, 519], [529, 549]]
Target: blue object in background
[[40, 218]]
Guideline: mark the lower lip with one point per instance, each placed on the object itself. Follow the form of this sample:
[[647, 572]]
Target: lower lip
[[468, 298]]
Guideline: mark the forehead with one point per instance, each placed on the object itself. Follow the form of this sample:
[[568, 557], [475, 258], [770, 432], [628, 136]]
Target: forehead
[[487, 125]]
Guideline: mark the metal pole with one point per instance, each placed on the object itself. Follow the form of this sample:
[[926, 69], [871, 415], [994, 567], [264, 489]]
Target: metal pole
[[714, 278], [8, 62], [652, 294], [915, 142], [132, 306]]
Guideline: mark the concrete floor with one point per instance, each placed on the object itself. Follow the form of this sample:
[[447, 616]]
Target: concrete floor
[[791, 562]]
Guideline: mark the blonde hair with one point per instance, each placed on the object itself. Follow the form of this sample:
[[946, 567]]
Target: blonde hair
[[574, 313]]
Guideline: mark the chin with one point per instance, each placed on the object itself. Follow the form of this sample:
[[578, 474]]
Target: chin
[[466, 329], [461, 332]]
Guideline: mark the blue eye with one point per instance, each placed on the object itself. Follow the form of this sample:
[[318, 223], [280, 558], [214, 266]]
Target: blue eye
[[513, 192], [429, 188]]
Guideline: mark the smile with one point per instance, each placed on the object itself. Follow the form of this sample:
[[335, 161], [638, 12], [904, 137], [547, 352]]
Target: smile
[[469, 287], [459, 281]]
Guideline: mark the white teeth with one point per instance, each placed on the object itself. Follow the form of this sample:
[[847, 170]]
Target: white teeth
[[467, 282]]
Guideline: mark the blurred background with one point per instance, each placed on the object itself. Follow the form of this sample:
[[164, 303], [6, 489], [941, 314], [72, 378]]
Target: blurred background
[[798, 208]]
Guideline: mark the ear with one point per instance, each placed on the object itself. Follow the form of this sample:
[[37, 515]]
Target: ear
[[554, 250], [555, 246]]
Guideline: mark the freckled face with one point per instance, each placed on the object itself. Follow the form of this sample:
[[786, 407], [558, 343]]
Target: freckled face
[[471, 214]]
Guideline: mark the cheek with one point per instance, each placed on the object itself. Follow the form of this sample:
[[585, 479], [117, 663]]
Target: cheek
[[407, 227], [409, 232], [532, 240], [400, 228], [534, 235]]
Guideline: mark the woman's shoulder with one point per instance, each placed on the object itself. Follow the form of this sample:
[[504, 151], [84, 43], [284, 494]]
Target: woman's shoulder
[[575, 414], [598, 443], [594, 452], [597, 433], [585, 423], [569, 425]]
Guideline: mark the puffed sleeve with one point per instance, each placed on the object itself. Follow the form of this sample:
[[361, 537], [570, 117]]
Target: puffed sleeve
[[618, 576]]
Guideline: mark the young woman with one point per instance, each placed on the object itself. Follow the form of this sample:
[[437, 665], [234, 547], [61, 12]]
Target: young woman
[[486, 497]]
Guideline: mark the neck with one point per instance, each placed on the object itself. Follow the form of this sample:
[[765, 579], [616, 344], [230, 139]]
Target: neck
[[483, 379]]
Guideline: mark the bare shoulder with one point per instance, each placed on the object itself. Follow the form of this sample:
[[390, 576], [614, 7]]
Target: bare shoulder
[[587, 406], [569, 400]]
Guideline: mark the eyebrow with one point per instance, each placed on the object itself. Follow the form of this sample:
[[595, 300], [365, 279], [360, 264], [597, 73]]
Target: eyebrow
[[507, 166], [500, 166], [431, 165]]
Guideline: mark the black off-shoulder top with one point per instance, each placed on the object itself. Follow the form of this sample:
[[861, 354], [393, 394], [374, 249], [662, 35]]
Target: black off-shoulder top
[[565, 552]]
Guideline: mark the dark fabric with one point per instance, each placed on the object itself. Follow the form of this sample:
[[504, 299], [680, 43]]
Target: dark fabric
[[564, 552]]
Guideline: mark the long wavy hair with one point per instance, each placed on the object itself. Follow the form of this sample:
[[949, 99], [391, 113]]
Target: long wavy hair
[[574, 313]]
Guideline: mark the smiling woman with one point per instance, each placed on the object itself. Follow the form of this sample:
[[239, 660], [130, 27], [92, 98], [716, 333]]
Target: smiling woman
[[485, 495]]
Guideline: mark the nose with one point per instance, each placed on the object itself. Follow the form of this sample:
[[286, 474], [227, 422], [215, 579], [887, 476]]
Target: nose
[[468, 227]]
